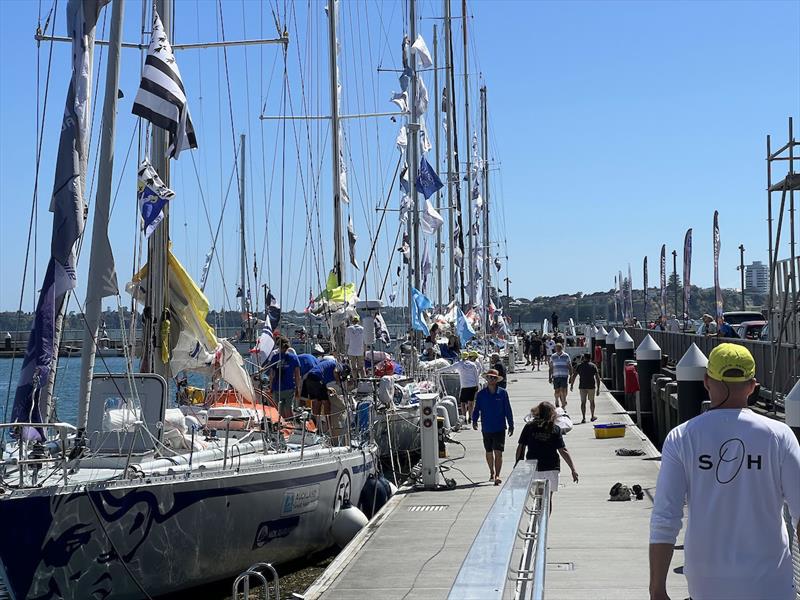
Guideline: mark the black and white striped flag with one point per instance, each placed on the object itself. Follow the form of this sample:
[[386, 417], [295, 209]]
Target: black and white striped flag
[[161, 98]]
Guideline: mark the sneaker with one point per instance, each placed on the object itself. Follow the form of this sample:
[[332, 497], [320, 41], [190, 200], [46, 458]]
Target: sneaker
[[594, 418], [584, 421]]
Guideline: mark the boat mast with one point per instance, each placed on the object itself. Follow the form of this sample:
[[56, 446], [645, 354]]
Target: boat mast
[[487, 280], [333, 51], [158, 245], [470, 240], [413, 141], [101, 250], [436, 127], [448, 57], [242, 249]]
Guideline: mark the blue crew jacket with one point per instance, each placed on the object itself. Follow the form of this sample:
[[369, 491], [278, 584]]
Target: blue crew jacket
[[494, 410]]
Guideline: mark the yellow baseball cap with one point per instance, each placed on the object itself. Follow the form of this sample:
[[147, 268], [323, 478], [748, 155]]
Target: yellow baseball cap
[[732, 363]]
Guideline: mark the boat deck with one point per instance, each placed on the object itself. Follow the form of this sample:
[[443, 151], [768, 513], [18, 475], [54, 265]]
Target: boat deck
[[596, 548]]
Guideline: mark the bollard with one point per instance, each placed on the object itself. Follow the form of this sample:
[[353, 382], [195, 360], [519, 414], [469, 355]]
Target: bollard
[[690, 371], [599, 345], [648, 363], [670, 407], [624, 351], [792, 409], [608, 364], [661, 416]]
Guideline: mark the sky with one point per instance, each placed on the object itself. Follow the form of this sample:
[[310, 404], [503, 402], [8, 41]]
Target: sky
[[613, 127]]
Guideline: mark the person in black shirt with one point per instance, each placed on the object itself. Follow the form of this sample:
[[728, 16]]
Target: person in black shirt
[[588, 384], [498, 366], [536, 350], [543, 440]]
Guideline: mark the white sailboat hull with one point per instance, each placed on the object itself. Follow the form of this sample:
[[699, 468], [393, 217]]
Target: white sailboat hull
[[168, 533]]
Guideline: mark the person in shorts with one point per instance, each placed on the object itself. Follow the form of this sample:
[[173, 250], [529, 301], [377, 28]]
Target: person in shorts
[[559, 373], [316, 385], [543, 441], [285, 380], [588, 381], [536, 350], [469, 377], [493, 409]]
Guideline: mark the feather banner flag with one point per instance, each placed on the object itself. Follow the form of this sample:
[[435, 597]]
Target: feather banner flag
[[663, 279], [644, 286], [687, 271], [717, 289]]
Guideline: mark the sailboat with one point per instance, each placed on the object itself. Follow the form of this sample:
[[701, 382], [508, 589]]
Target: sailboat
[[140, 500]]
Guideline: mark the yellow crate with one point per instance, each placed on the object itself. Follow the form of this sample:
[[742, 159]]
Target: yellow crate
[[609, 430]]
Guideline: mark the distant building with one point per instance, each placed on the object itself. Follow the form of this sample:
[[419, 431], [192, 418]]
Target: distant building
[[756, 277]]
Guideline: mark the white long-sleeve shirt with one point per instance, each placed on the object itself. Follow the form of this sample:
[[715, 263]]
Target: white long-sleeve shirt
[[734, 469], [468, 372]]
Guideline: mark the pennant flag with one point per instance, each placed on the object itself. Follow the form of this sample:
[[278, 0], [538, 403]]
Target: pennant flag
[[405, 248], [420, 302], [663, 264], [420, 48], [405, 206], [273, 310], [424, 139], [67, 206], [717, 289], [404, 185], [265, 344], [687, 271], [428, 181], [311, 304], [153, 196], [161, 98], [426, 268], [463, 328], [351, 240], [430, 220], [206, 268]]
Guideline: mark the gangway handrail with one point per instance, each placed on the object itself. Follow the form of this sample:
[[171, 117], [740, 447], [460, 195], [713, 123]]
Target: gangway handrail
[[529, 580], [484, 573]]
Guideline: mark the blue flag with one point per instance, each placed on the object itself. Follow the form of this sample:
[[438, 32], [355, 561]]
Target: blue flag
[[428, 181], [419, 302], [463, 328], [67, 207], [153, 195]]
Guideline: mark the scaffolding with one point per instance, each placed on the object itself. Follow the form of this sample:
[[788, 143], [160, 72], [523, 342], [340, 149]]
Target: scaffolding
[[783, 307]]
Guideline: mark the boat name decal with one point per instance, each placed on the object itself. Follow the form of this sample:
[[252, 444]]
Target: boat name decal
[[300, 500], [272, 530]]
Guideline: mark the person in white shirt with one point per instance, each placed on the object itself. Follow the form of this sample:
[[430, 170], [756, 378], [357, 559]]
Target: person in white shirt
[[469, 377], [354, 341], [673, 325], [735, 470], [549, 346]]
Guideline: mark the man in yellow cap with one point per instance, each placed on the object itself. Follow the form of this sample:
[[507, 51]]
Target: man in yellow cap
[[735, 470]]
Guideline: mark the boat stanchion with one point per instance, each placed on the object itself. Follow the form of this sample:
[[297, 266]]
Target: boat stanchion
[[227, 439], [648, 363], [690, 371]]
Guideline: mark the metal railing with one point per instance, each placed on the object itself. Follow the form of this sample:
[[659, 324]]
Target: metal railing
[[675, 346], [508, 555], [255, 571]]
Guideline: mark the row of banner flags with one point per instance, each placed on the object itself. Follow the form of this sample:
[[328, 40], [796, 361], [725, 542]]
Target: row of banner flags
[[623, 287]]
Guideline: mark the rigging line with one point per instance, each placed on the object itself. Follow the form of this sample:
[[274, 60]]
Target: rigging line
[[267, 197], [400, 228], [283, 167], [94, 111], [249, 162], [34, 202], [380, 224], [122, 172]]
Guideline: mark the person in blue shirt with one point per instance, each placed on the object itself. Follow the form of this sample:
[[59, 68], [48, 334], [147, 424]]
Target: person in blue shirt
[[285, 379], [724, 329], [493, 408], [307, 363], [316, 385]]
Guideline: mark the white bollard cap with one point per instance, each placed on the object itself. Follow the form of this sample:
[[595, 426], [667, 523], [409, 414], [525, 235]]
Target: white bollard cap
[[792, 406], [692, 367], [612, 336], [648, 349], [624, 341], [601, 333]]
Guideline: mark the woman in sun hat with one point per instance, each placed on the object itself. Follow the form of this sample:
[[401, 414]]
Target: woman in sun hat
[[735, 470]]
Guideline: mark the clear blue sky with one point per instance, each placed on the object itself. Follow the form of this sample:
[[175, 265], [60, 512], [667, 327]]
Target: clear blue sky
[[615, 127]]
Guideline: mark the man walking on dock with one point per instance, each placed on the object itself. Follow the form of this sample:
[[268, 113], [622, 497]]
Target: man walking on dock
[[560, 371], [588, 382], [735, 469], [493, 408]]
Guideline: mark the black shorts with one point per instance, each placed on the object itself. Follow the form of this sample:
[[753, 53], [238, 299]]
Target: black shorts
[[467, 394], [496, 440], [314, 389]]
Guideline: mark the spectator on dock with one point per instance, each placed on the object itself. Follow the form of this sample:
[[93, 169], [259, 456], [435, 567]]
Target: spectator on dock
[[554, 320], [673, 325], [544, 442], [708, 327], [735, 469], [493, 408], [560, 370], [469, 377], [588, 382], [536, 350], [724, 329], [498, 366], [549, 346], [526, 347]]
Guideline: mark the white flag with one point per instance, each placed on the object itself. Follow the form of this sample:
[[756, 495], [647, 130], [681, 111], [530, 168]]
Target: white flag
[[420, 48], [430, 220]]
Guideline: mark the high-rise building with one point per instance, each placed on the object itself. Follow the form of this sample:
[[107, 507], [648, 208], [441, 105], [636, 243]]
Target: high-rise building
[[756, 277]]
